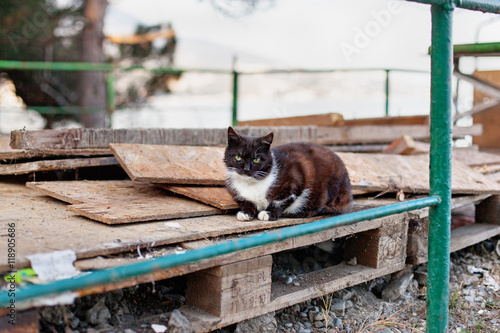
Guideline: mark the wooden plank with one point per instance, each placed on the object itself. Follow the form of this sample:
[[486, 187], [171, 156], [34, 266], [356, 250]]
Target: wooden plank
[[46, 225], [117, 202], [409, 173], [7, 153], [490, 119], [214, 196], [327, 119], [172, 164], [384, 246], [461, 237], [404, 120], [475, 158], [153, 209], [368, 172], [49, 165], [218, 197], [239, 255], [102, 137], [405, 145], [472, 234], [383, 133], [231, 289], [20, 322]]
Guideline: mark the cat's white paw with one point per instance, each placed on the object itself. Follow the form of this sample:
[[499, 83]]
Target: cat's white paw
[[264, 215], [243, 216]]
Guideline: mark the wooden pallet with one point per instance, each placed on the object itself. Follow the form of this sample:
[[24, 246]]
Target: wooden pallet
[[487, 225], [235, 292]]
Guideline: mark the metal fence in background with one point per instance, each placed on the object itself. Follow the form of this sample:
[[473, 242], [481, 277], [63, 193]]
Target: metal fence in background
[[112, 71]]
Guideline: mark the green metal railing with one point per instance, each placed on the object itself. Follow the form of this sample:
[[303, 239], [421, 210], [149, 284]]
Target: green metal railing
[[438, 201], [111, 70]]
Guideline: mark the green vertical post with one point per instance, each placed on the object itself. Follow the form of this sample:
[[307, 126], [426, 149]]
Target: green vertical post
[[110, 87], [440, 167], [235, 98], [387, 92]]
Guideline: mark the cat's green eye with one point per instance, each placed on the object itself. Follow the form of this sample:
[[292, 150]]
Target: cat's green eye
[[256, 160], [238, 158]]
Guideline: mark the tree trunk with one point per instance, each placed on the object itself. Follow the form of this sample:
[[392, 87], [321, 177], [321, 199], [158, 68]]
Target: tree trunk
[[93, 84]]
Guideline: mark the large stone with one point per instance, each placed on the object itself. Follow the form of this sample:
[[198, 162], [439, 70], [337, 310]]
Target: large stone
[[262, 324], [178, 323], [98, 314], [397, 288]]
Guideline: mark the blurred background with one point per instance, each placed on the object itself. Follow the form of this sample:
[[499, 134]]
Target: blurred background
[[174, 63]]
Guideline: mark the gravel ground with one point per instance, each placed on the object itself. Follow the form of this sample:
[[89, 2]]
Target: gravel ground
[[389, 304]]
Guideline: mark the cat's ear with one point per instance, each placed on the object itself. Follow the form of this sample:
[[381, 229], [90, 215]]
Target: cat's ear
[[267, 140], [232, 136]]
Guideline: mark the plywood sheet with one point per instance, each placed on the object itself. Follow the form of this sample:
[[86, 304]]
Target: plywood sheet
[[371, 172], [172, 164], [215, 196], [410, 174], [117, 202], [44, 225]]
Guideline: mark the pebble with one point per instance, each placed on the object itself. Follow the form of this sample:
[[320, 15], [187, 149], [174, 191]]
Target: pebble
[[318, 324], [305, 330], [289, 325], [319, 316], [303, 315]]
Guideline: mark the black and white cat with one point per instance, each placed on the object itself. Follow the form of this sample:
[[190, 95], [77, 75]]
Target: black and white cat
[[292, 180]]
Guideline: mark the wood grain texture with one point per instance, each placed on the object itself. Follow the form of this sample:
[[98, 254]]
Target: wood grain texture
[[383, 133], [327, 119], [475, 158], [45, 225], [214, 196], [9, 155], [490, 119], [404, 120], [117, 202], [312, 285], [102, 137], [231, 289], [371, 172], [49, 165], [410, 174], [172, 164]]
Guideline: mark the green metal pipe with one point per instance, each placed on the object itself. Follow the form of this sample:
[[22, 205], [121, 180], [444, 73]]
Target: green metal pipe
[[55, 66], [144, 267], [387, 73], [478, 49], [62, 110], [485, 6], [110, 96], [234, 113], [440, 168]]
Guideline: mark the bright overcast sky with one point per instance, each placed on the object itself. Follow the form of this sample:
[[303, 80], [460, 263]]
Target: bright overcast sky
[[307, 34]]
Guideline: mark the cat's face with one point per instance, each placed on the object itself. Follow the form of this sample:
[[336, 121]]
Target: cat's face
[[249, 156]]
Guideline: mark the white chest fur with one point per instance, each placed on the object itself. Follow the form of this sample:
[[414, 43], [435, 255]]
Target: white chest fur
[[251, 189]]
